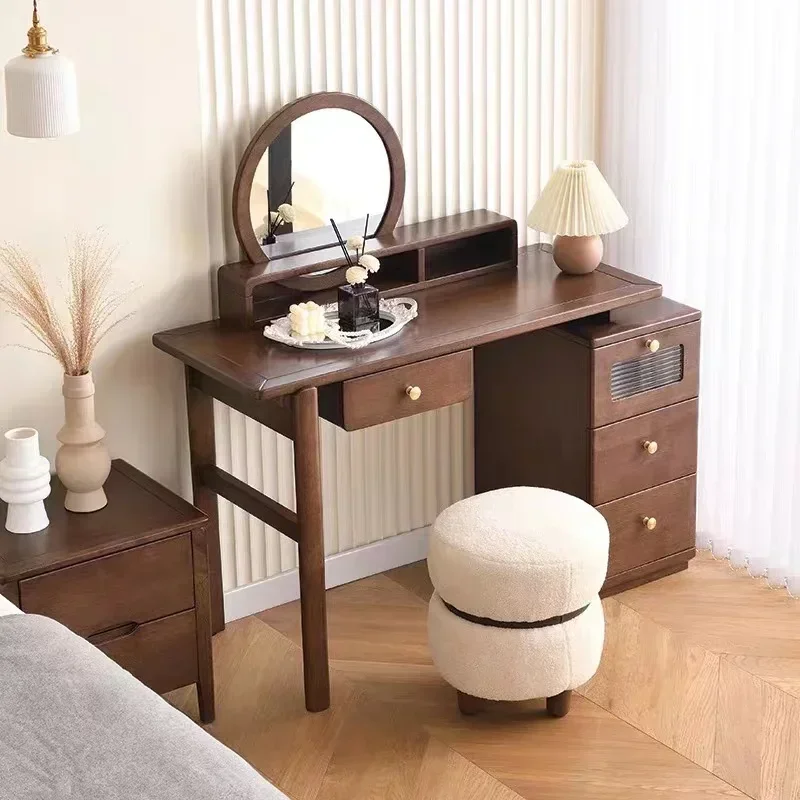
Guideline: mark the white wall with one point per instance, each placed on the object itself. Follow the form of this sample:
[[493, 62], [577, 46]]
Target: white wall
[[136, 168]]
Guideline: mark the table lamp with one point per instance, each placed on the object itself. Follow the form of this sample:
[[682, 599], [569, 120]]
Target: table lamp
[[577, 206]]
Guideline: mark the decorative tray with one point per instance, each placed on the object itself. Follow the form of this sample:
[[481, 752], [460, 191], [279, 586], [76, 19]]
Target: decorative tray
[[395, 314]]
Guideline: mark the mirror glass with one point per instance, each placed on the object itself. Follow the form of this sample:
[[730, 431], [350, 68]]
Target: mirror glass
[[339, 167]]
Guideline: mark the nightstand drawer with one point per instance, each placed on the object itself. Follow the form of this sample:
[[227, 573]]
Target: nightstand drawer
[[161, 654], [670, 507], [643, 451], [405, 391], [134, 586], [645, 373]]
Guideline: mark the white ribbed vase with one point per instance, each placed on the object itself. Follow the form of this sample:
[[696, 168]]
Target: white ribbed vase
[[24, 482], [41, 96], [82, 461]]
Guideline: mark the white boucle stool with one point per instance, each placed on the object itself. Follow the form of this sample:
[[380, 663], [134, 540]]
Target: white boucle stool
[[516, 613]]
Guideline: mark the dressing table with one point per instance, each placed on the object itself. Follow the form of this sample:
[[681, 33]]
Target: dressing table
[[586, 384]]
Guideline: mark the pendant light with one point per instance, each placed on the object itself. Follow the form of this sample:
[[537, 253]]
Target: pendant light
[[41, 89]]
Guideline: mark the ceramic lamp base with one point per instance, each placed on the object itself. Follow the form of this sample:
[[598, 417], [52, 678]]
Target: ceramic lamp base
[[577, 255]]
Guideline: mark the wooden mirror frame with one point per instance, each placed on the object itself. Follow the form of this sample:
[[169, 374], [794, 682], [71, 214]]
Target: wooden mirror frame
[[270, 131]]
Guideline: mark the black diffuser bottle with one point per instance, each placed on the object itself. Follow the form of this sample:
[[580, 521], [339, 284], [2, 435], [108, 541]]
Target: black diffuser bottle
[[359, 308], [359, 303]]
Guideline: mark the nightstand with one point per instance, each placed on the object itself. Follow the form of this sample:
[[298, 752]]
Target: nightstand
[[131, 578]]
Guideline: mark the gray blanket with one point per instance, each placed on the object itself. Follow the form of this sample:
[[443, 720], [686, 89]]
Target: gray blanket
[[75, 725]]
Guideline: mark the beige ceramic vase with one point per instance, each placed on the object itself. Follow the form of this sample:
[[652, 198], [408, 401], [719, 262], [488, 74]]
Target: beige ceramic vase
[[82, 461]]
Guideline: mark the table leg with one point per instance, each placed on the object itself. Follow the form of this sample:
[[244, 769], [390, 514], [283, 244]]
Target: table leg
[[202, 452], [311, 548], [202, 610]]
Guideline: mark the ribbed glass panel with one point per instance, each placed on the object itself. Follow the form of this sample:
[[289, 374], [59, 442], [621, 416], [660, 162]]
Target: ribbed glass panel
[[651, 371]]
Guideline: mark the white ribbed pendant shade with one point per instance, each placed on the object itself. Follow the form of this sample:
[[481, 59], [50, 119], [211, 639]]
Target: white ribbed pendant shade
[[577, 201], [41, 96]]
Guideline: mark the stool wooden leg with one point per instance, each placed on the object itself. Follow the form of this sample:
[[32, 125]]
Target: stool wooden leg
[[558, 705], [469, 705]]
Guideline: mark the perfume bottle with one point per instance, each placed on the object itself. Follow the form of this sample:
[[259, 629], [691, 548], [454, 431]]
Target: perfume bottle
[[359, 308]]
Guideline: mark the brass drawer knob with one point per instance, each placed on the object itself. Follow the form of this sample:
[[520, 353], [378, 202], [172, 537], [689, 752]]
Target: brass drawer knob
[[652, 345], [650, 447], [414, 392], [649, 523]]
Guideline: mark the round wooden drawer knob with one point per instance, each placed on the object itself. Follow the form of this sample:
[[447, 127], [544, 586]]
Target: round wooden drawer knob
[[652, 345], [414, 392], [649, 523], [650, 447]]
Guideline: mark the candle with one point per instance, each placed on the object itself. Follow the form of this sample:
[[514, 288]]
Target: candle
[[307, 319]]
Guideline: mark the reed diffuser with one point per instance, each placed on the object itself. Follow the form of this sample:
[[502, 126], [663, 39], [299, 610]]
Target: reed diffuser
[[358, 301], [283, 213]]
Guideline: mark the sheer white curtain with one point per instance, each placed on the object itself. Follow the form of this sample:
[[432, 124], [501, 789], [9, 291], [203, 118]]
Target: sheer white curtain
[[700, 137]]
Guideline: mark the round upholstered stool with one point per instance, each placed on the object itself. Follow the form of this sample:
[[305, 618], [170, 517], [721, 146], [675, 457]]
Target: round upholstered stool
[[516, 614]]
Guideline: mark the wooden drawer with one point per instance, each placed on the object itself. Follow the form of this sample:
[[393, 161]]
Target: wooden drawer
[[632, 544], [134, 586], [382, 397], [620, 462], [628, 379], [162, 654]]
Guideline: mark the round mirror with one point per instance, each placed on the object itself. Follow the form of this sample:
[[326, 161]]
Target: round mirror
[[325, 156]]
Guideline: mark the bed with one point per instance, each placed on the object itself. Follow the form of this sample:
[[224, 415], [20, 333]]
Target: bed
[[74, 724]]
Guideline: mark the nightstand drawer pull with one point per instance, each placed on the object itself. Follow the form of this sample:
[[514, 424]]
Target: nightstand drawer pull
[[414, 392], [649, 523], [110, 635], [651, 448]]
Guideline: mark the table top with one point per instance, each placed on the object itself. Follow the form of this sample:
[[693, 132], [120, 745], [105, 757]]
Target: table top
[[139, 511], [454, 316]]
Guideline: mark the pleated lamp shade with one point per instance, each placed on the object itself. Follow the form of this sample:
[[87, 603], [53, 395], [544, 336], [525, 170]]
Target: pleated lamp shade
[[41, 90], [577, 201]]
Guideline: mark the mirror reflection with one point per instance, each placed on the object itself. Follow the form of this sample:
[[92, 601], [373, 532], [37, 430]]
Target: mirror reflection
[[329, 163]]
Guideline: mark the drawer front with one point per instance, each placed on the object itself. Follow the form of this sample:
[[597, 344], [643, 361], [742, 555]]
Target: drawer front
[[385, 396], [629, 379], [135, 586], [161, 654], [672, 505], [622, 458]]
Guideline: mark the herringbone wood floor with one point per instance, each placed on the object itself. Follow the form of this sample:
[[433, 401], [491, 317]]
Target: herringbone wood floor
[[698, 693]]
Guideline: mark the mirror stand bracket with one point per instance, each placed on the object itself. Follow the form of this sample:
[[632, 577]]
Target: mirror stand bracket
[[413, 257]]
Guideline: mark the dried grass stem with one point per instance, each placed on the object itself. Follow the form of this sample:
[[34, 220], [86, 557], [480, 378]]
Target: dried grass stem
[[92, 304]]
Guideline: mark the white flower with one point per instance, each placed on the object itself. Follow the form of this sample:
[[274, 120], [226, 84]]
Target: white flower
[[355, 275], [355, 242], [370, 263], [287, 212], [271, 217]]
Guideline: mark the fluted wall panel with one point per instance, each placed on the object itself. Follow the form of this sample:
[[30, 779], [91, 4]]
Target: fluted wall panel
[[486, 96]]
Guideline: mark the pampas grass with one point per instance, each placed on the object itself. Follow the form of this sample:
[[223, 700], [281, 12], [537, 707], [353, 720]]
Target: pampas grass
[[92, 304]]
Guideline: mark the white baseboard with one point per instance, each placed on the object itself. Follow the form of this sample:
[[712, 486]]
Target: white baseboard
[[352, 565]]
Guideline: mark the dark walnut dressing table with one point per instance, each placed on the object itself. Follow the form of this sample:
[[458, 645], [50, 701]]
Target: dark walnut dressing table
[[586, 384]]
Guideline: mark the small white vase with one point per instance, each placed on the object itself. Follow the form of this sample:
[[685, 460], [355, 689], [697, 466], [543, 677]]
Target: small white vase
[[82, 461], [24, 482]]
